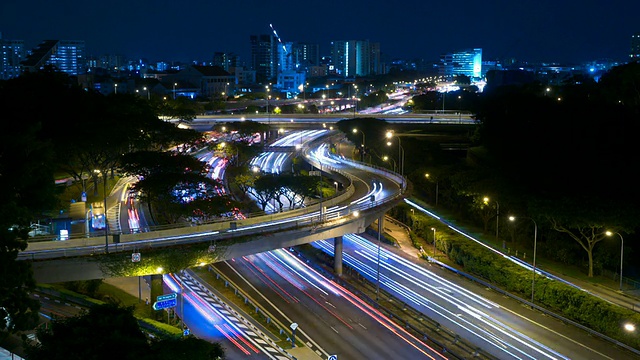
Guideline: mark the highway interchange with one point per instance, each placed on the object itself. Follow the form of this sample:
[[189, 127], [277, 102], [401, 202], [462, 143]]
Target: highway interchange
[[333, 321]]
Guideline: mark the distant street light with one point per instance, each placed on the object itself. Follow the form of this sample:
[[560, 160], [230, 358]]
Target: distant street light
[[355, 131], [386, 158], [115, 87], [535, 242], [389, 135], [436, 180], [486, 201], [174, 90], [434, 242], [148, 95], [609, 233]]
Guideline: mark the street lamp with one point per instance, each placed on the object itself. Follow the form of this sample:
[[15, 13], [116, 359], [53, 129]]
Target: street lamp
[[355, 131], [535, 243], [106, 222], [459, 109], [147, 90], [355, 101], [386, 158], [609, 233], [268, 98], [434, 242], [389, 135], [436, 180], [174, 90], [486, 201], [116, 87]]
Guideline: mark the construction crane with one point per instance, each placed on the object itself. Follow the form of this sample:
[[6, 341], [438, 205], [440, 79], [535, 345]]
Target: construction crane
[[279, 40]]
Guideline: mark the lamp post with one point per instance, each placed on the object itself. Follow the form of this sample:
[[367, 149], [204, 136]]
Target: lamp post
[[459, 109], [535, 243], [355, 131], [355, 101], [386, 158], [174, 90], [609, 233], [389, 135], [436, 180], [147, 90], [293, 326], [115, 87], [434, 242], [268, 113], [486, 201], [106, 223]]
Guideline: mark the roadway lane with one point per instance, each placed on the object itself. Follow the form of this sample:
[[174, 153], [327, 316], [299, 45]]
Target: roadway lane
[[339, 322], [498, 325]]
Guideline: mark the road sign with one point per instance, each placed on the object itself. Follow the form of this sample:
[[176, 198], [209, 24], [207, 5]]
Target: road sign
[[165, 297], [186, 332], [135, 257], [165, 304], [294, 326], [333, 357]]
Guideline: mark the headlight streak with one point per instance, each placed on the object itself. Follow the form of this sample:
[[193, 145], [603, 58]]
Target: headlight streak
[[217, 319], [256, 270], [472, 328], [511, 258], [360, 304]]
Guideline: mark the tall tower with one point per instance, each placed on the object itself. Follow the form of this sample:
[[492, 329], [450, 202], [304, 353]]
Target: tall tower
[[635, 47], [264, 52], [11, 54]]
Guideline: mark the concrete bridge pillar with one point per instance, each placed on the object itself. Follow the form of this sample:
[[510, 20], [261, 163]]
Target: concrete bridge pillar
[[337, 255]]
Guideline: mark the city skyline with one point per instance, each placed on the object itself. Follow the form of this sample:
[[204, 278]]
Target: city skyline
[[540, 31]]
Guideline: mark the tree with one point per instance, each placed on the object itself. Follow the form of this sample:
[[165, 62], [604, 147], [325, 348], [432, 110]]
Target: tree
[[586, 219], [112, 332]]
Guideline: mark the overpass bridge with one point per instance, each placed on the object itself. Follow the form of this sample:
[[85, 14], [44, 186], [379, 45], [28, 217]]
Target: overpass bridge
[[371, 192]]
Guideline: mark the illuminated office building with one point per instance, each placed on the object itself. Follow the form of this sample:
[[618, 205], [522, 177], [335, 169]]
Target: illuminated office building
[[635, 47], [12, 55], [67, 56], [467, 62]]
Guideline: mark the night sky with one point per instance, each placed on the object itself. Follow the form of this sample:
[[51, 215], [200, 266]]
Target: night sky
[[568, 31]]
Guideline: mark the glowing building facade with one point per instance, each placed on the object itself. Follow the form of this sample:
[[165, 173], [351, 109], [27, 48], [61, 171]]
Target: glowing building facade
[[467, 62]]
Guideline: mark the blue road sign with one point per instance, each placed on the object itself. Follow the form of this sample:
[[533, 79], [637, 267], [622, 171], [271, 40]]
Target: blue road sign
[[167, 297], [165, 304]]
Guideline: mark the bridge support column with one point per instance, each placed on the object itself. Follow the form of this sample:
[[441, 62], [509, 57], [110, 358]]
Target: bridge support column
[[337, 255]]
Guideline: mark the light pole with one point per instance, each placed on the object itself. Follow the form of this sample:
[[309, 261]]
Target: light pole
[[268, 113], [486, 201], [174, 90], [148, 95], [386, 158], [355, 131], [355, 101], [436, 180], [106, 223], [535, 243], [389, 135], [434, 242], [459, 109], [115, 87], [609, 233]]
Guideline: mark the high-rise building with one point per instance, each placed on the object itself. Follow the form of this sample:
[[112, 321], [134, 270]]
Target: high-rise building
[[12, 52], [264, 56], [226, 60], [306, 54], [355, 57], [466, 62], [635, 47], [65, 55]]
